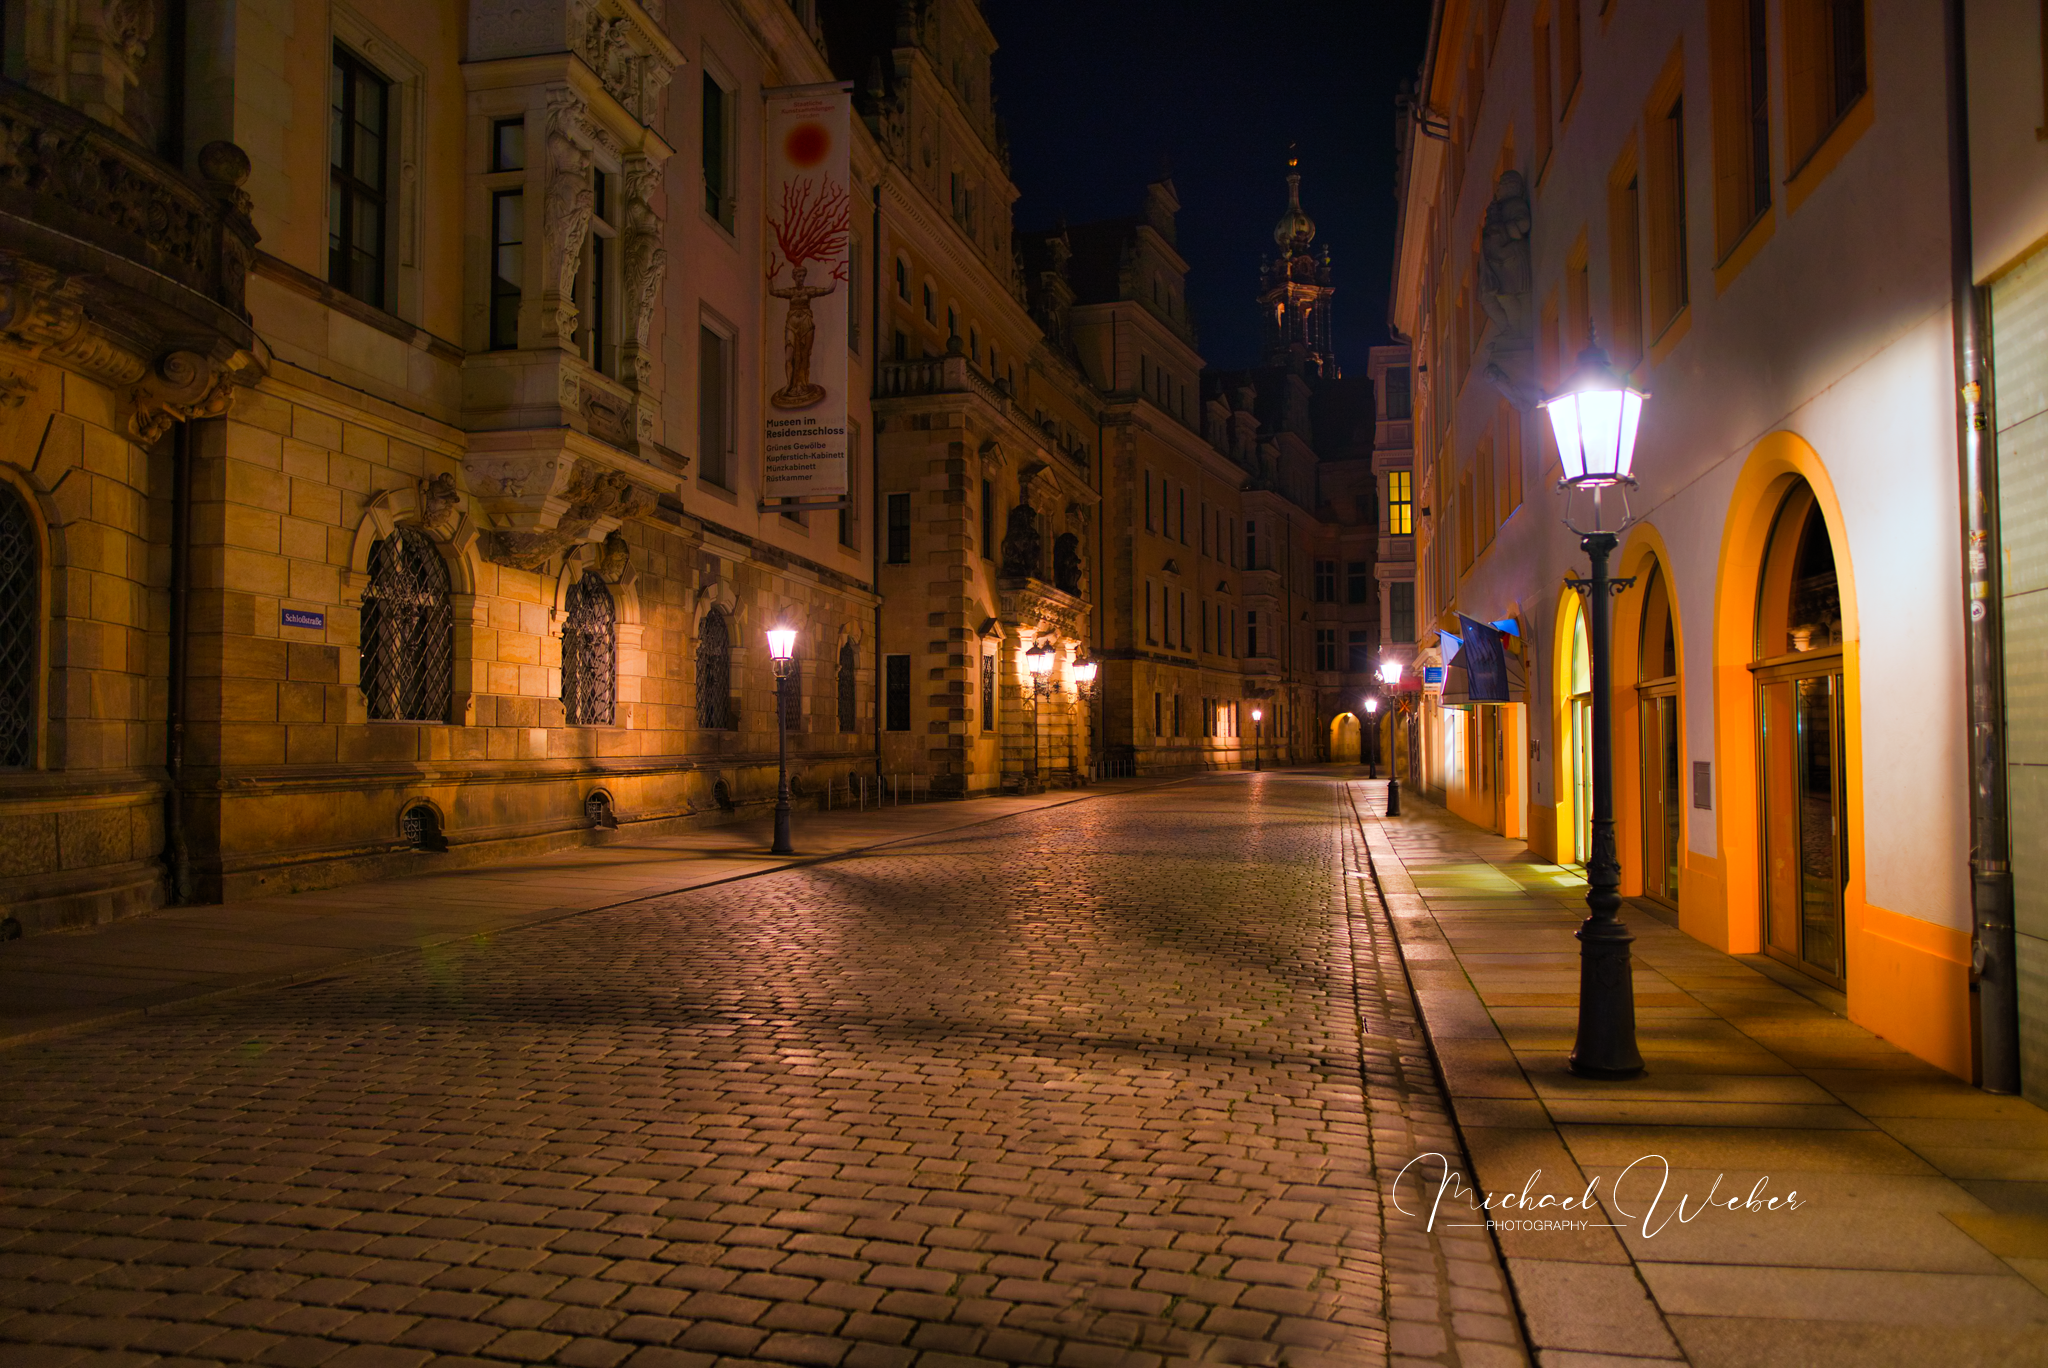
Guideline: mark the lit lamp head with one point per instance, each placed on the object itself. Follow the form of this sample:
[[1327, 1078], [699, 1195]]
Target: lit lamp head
[[1084, 674], [1038, 660], [1258, 714], [782, 649], [1372, 705], [1390, 673], [1594, 417]]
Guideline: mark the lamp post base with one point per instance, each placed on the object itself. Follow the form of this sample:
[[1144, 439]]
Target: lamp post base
[[1393, 795], [1606, 1044]]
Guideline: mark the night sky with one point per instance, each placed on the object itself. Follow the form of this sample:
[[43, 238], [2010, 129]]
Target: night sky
[[1098, 93]]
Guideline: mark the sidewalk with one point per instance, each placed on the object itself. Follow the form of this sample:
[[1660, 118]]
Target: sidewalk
[[1922, 1231], [69, 980]]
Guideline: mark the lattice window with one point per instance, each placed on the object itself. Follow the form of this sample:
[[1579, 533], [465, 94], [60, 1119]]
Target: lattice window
[[590, 653], [408, 631], [714, 673], [20, 619], [849, 662]]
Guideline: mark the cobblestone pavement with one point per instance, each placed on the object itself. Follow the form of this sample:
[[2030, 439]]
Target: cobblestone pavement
[[1116, 1083]]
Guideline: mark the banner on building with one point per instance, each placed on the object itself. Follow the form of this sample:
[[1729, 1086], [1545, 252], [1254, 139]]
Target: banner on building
[[809, 210], [1484, 658]]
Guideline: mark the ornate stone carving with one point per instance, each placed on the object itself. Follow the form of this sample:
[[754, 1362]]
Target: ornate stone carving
[[1069, 566], [613, 46], [15, 389], [1504, 290], [645, 261], [592, 496], [181, 386], [616, 557], [438, 502], [569, 202]]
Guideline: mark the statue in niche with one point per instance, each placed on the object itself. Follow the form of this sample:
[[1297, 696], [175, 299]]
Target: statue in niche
[[1068, 569], [1022, 547]]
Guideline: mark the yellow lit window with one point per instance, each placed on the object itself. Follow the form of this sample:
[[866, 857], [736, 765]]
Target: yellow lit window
[[1400, 504]]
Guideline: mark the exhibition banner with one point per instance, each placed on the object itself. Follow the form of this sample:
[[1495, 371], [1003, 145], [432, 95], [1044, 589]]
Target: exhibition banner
[[809, 210]]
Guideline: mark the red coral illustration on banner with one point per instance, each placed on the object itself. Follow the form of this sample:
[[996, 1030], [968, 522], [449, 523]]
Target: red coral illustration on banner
[[816, 218]]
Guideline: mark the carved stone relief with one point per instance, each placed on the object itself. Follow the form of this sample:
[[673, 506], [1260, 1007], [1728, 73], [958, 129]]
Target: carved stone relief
[[569, 202], [591, 496], [645, 261], [1504, 291]]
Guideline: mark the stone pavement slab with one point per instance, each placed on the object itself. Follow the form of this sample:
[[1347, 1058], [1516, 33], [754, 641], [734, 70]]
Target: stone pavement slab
[[143, 965], [1123, 1082], [1921, 1230]]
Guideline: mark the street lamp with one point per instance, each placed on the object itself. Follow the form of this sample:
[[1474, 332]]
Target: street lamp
[[1390, 679], [782, 651], [1595, 417], [1084, 687], [1372, 717], [1258, 734], [1038, 660]]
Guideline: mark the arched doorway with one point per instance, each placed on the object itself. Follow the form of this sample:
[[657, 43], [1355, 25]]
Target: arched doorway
[[1345, 739], [1657, 699], [1579, 705], [1797, 663]]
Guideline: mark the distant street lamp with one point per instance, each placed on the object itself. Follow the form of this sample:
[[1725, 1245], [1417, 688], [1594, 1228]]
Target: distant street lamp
[[1595, 417], [782, 651], [1390, 680], [1038, 660], [1371, 728], [1084, 686], [1258, 734]]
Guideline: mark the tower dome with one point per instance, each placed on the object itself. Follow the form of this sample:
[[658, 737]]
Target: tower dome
[[1294, 225]]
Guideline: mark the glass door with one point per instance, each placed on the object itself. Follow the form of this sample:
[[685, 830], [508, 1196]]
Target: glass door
[[1661, 810], [1805, 858]]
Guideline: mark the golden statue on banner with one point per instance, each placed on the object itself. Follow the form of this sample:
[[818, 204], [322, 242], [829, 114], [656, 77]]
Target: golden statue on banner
[[813, 227]]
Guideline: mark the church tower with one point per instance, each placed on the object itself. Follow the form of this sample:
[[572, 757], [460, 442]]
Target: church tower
[[1295, 291]]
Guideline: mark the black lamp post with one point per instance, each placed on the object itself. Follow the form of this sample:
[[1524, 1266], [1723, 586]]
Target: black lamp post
[[782, 650], [1390, 679], [1258, 735], [1595, 418], [1369, 732], [1039, 661], [1085, 672]]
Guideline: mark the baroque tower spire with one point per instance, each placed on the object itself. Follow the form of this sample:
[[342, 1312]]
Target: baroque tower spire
[[1295, 290]]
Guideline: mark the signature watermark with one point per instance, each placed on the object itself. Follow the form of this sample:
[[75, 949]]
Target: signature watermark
[[1641, 1196]]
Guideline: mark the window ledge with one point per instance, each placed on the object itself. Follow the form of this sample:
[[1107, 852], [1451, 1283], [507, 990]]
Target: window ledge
[[306, 283], [1745, 249], [1828, 151]]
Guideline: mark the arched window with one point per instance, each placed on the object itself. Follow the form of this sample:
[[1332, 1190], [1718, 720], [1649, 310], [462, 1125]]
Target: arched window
[[714, 673], [20, 617], [849, 661], [408, 630], [590, 653]]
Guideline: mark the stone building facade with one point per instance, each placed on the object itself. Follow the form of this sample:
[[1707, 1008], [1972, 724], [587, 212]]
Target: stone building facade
[[401, 499]]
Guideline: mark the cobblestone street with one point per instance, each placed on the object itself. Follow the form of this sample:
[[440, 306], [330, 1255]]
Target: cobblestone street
[[1114, 1083]]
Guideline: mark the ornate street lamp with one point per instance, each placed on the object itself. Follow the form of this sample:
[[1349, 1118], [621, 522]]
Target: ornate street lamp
[[1258, 734], [1038, 660], [1371, 726], [1390, 680], [1595, 417], [1085, 672], [782, 651]]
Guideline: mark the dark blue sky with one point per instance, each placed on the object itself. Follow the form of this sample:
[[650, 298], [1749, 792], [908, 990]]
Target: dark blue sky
[[1098, 92]]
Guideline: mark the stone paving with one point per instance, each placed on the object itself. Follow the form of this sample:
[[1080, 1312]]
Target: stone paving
[[1117, 1083]]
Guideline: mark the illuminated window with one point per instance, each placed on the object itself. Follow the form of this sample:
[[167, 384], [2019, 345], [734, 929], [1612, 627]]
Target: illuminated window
[[1400, 503]]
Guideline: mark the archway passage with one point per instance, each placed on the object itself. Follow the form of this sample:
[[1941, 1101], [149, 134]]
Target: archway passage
[[1346, 739], [1800, 742], [1657, 696]]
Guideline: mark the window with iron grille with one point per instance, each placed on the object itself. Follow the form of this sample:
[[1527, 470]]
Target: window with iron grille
[[408, 630], [358, 106], [897, 689], [714, 673], [849, 664], [20, 622], [590, 653], [988, 692]]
